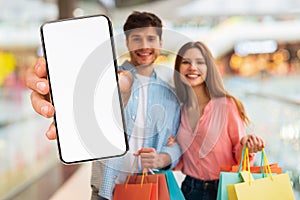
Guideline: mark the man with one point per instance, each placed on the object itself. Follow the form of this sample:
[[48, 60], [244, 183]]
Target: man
[[152, 112]]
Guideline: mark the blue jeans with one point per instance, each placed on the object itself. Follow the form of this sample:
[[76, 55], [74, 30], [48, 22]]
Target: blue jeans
[[195, 189]]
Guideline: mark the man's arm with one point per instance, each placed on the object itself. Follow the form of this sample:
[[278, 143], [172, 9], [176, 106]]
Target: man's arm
[[170, 152], [171, 148]]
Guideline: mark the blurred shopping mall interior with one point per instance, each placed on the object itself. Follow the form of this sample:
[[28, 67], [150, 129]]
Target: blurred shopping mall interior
[[256, 44]]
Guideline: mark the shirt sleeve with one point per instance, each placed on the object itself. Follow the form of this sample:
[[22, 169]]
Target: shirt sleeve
[[111, 172], [171, 129]]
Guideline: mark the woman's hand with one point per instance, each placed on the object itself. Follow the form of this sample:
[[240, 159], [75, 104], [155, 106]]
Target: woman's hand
[[253, 142]]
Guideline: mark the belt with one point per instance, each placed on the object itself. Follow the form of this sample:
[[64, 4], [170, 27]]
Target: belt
[[197, 183]]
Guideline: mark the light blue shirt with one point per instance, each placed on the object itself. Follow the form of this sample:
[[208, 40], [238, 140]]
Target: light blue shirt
[[162, 121]]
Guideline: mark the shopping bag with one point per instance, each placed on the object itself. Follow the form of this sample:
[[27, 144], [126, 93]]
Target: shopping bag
[[142, 189], [135, 191], [163, 193], [254, 169], [229, 178], [175, 192], [270, 187], [258, 169]]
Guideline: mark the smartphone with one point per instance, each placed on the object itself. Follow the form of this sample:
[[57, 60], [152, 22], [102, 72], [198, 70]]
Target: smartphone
[[82, 74]]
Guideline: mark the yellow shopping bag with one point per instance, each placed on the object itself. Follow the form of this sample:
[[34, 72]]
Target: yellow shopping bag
[[272, 187], [275, 187]]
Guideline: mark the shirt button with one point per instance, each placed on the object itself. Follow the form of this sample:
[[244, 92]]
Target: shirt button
[[133, 117], [135, 97]]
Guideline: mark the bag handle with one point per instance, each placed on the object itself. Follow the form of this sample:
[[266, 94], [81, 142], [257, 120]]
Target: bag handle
[[246, 167], [266, 164], [131, 170], [144, 173], [267, 170], [243, 160]]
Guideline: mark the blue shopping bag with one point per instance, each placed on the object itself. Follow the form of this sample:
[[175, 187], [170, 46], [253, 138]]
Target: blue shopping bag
[[173, 187]]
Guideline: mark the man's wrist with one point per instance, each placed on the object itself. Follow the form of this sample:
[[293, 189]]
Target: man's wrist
[[125, 98], [164, 160]]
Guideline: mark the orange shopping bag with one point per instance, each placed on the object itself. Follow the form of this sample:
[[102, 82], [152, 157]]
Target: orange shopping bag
[[254, 169], [258, 169], [163, 193], [137, 187], [143, 190], [160, 179]]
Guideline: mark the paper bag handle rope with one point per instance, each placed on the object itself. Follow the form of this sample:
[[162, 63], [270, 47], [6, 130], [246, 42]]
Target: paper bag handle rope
[[268, 171], [266, 163], [246, 166], [243, 161], [144, 173]]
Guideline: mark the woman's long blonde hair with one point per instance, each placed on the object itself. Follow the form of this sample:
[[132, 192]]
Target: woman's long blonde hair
[[213, 82]]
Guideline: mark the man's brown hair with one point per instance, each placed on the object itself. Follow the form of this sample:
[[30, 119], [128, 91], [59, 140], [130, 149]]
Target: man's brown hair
[[142, 20]]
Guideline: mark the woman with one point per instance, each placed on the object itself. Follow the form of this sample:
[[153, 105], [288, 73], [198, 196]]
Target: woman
[[212, 131]]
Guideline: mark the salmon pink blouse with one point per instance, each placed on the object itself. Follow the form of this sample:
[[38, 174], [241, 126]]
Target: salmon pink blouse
[[215, 142]]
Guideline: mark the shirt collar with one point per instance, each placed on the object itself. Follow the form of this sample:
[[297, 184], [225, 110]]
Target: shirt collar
[[128, 66]]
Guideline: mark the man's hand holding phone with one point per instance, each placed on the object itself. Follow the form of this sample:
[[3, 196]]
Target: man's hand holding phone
[[36, 80]]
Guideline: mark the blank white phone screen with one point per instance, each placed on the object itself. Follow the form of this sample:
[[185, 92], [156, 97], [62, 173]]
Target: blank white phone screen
[[84, 89]]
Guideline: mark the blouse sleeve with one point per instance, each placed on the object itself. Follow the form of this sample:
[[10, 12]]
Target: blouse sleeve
[[236, 129], [179, 166]]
